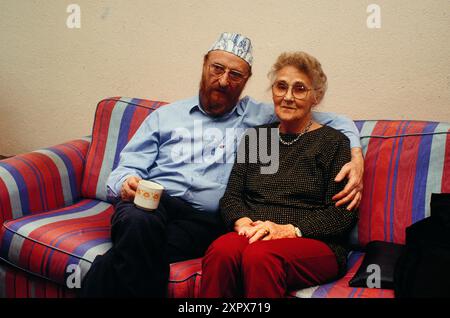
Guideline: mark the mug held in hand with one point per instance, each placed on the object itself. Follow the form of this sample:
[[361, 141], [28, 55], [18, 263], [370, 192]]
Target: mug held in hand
[[148, 194]]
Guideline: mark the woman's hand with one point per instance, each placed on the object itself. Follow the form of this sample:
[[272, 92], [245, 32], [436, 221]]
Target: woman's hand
[[268, 230], [354, 171], [242, 225]]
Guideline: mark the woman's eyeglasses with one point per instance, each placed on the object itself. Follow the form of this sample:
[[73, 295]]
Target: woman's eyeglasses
[[298, 90]]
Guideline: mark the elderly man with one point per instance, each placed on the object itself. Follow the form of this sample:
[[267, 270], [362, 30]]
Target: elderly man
[[186, 221]]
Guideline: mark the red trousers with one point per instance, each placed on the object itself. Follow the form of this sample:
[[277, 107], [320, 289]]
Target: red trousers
[[264, 269]]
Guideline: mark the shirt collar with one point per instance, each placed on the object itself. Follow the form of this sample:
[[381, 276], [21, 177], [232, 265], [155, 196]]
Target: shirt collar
[[239, 108]]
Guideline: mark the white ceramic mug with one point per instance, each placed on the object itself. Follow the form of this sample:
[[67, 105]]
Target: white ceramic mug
[[148, 194]]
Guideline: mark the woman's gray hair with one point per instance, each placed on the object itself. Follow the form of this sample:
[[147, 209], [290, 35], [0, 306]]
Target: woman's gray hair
[[306, 64]]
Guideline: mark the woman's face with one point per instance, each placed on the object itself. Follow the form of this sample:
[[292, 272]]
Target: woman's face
[[290, 108]]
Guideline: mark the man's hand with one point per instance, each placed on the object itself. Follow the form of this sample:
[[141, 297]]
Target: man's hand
[[354, 171], [129, 187]]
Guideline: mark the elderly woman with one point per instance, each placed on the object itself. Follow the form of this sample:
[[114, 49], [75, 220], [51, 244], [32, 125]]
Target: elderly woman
[[285, 231]]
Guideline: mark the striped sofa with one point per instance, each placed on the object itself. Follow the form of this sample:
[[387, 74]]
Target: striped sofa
[[55, 216]]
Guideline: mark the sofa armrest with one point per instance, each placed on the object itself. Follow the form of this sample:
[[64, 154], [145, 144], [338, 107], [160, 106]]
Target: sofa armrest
[[42, 180]]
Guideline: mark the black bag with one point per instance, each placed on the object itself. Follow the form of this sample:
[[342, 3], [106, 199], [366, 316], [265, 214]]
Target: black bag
[[423, 268], [383, 254]]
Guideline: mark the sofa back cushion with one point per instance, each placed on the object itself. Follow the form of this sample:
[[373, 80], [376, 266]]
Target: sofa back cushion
[[116, 121], [405, 161]]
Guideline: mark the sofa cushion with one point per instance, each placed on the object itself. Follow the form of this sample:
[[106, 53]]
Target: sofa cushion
[[405, 161], [116, 121], [46, 244]]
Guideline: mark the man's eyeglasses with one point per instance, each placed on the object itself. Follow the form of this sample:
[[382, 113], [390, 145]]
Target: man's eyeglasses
[[299, 90], [234, 76]]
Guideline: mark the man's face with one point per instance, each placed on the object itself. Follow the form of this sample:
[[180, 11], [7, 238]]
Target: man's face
[[220, 93]]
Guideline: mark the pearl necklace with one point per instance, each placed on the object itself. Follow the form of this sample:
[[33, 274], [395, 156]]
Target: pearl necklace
[[288, 143]]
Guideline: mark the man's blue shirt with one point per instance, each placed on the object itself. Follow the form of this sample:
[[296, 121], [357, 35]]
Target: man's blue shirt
[[191, 153]]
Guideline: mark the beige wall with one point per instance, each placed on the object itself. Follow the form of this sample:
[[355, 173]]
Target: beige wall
[[51, 77]]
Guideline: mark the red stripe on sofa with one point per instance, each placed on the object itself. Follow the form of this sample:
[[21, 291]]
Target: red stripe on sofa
[[5, 204], [138, 117], [45, 169], [97, 149], [376, 177], [405, 183], [390, 186], [445, 187]]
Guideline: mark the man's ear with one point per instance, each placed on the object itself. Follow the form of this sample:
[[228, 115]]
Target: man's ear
[[205, 62]]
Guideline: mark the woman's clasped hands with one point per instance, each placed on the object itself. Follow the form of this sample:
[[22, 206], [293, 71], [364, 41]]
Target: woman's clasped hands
[[263, 230]]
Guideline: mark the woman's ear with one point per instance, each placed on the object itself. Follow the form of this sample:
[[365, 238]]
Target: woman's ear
[[315, 100]]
